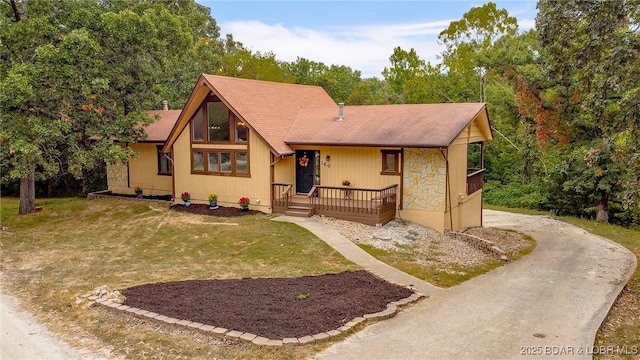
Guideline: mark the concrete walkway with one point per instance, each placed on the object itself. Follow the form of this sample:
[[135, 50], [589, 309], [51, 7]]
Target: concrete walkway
[[550, 303]]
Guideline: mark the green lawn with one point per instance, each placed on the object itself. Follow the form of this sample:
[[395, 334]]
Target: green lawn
[[52, 257]]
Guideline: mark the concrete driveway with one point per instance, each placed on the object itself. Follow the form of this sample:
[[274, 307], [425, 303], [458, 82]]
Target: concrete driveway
[[548, 304]]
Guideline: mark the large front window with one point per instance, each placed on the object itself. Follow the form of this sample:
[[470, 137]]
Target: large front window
[[214, 123], [221, 162]]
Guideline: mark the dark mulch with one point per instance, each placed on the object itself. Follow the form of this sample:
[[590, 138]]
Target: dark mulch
[[272, 308], [221, 211]]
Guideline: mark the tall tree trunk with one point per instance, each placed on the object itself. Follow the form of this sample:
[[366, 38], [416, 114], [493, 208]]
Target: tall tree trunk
[[28, 193], [85, 182], [602, 213]]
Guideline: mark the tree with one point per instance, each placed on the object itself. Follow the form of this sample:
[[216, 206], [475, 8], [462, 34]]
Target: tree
[[405, 65], [77, 74], [467, 42], [590, 106]]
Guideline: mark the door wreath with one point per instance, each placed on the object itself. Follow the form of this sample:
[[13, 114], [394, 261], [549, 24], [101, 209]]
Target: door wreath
[[304, 160]]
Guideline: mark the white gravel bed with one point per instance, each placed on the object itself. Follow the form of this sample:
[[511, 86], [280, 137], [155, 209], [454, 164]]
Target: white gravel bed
[[426, 246]]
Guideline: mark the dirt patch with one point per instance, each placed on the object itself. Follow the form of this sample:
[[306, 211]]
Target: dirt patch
[[274, 308], [509, 241]]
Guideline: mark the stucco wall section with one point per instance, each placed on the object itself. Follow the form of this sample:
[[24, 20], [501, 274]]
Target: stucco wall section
[[424, 183]]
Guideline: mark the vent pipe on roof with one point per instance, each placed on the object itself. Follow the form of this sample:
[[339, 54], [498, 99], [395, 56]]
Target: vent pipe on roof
[[340, 111], [165, 105]]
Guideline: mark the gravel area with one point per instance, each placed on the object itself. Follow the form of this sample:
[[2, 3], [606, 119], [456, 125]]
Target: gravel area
[[426, 246]]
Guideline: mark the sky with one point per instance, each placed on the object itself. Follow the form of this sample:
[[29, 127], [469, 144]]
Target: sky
[[359, 34]]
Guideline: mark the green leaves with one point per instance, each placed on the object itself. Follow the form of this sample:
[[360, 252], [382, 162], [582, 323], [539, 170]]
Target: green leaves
[[75, 75], [593, 62]]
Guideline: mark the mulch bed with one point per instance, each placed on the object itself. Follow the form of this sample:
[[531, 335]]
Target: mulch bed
[[274, 308], [221, 211]]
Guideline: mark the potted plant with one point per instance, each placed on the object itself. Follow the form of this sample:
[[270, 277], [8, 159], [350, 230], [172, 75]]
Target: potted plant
[[244, 203], [213, 201], [138, 191], [186, 197], [346, 183]]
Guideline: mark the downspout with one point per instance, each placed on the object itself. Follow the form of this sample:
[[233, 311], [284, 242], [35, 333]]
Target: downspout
[[448, 191], [400, 201], [482, 191]]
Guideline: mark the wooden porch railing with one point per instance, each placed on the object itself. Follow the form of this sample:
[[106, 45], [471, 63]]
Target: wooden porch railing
[[475, 180], [368, 206], [281, 196]]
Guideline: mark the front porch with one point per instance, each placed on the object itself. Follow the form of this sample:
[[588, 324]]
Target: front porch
[[367, 206]]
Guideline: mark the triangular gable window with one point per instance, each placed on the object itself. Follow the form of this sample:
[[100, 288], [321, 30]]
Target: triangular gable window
[[214, 123]]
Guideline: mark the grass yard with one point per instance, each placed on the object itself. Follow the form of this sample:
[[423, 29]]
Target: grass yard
[[622, 325], [50, 258]]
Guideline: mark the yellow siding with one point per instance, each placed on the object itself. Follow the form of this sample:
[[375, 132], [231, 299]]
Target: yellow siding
[[471, 211], [432, 219], [361, 165], [284, 171], [457, 156], [457, 187], [475, 133], [142, 171], [229, 189]]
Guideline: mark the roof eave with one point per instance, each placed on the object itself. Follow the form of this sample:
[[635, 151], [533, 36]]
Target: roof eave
[[380, 145]]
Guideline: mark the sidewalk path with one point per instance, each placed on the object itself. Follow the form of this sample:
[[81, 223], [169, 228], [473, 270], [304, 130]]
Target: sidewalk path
[[549, 303]]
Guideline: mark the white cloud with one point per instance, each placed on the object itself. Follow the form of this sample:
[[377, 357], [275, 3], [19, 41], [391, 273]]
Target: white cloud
[[364, 48]]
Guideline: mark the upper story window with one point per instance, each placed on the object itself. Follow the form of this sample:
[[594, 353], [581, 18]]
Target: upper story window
[[215, 123]]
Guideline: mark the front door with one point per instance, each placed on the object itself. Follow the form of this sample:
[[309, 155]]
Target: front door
[[306, 170]]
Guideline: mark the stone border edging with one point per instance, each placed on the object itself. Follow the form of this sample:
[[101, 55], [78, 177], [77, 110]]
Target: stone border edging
[[101, 195], [481, 243], [391, 310]]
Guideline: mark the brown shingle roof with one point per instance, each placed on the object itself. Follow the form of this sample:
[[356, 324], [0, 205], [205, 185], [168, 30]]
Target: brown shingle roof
[[283, 114], [411, 125], [159, 130], [270, 108]]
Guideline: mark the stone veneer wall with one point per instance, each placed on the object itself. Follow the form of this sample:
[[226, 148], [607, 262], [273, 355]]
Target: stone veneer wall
[[424, 183], [117, 175]]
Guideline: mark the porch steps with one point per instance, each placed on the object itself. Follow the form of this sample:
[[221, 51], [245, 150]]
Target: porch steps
[[299, 210]]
